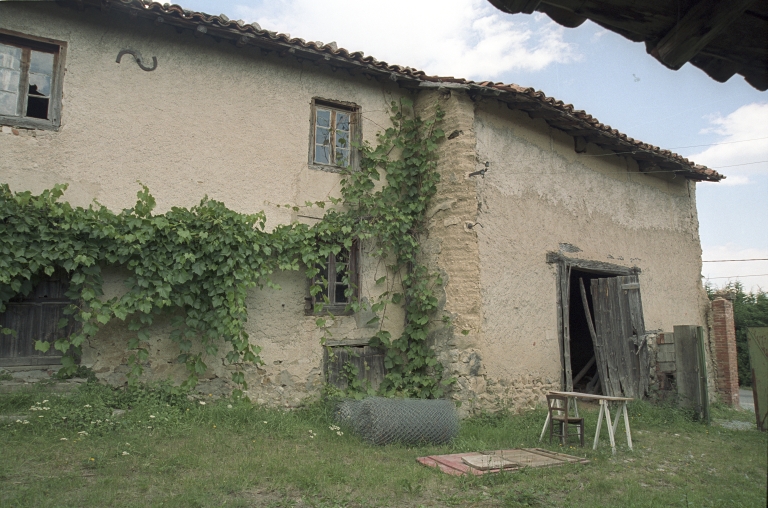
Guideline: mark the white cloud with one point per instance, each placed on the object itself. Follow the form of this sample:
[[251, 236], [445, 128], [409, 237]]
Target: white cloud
[[461, 38], [749, 122], [598, 35], [720, 274]]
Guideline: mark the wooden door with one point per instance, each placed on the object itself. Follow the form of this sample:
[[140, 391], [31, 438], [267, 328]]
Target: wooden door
[[35, 317], [363, 363], [621, 346]]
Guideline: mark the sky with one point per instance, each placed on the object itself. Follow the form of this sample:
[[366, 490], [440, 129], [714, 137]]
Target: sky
[[721, 125]]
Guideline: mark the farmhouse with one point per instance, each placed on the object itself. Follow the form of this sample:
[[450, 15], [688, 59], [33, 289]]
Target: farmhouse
[[536, 200]]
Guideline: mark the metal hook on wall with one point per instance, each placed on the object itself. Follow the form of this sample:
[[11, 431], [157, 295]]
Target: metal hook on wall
[[139, 60]]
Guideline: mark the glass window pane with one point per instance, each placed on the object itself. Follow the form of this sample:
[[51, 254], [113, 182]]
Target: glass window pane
[[41, 63], [10, 57], [339, 294], [323, 117], [342, 121], [9, 80], [8, 103], [342, 157], [322, 154], [39, 84], [342, 139], [322, 136]]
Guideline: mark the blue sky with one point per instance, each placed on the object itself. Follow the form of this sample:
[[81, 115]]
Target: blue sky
[[721, 125]]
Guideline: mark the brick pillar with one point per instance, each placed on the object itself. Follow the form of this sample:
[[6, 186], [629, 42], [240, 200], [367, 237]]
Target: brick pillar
[[724, 343]]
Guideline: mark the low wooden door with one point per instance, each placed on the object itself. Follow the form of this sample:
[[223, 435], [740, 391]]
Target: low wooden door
[[35, 317], [621, 350]]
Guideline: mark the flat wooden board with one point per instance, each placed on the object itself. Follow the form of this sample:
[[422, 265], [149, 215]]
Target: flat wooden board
[[479, 463], [486, 462]]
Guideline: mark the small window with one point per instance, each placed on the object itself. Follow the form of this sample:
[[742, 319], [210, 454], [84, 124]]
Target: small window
[[339, 280], [334, 128], [30, 82]]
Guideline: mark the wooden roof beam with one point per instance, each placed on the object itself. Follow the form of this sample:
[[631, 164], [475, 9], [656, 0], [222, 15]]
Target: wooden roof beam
[[516, 6], [696, 29]]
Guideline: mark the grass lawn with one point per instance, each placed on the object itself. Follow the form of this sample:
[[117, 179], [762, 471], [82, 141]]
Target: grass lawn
[[168, 451]]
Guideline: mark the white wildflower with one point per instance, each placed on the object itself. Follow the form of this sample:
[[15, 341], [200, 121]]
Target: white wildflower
[[339, 433], [83, 433], [151, 416], [25, 422], [63, 439], [265, 422], [202, 403], [46, 400], [87, 405], [18, 421], [126, 453], [229, 406]]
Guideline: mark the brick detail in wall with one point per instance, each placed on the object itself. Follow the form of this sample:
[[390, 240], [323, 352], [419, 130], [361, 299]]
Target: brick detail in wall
[[724, 342]]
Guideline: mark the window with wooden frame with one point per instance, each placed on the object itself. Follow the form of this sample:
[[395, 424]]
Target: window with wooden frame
[[334, 127], [339, 280], [30, 82]]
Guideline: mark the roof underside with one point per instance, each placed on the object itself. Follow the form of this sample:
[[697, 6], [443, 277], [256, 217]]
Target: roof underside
[[720, 37], [582, 126]]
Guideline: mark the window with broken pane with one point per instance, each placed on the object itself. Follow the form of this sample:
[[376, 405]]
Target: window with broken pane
[[28, 84], [333, 132]]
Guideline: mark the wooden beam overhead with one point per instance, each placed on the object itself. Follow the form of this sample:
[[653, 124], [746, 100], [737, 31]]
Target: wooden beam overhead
[[516, 6], [700, 25], [563, 16]]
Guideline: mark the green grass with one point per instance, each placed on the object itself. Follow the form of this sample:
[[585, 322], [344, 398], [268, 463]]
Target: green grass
[[204, 455]]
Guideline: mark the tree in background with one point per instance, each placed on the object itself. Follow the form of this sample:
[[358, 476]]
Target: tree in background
[[749, 309]]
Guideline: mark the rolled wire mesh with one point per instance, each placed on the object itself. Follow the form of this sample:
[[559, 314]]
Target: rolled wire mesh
[[409, 421]]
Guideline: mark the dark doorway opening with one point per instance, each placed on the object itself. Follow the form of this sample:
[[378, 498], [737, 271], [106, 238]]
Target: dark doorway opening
[[584, 366]]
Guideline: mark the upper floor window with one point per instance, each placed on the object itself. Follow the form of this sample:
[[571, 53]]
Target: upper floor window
[[30, 82], [334, 127]]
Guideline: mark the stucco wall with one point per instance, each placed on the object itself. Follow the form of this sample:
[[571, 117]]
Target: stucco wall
[[233, 124], [539, 193], [212, 119]]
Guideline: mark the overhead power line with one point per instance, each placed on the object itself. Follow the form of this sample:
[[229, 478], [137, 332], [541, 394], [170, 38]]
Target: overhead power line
[[738, 276], [730, 260]]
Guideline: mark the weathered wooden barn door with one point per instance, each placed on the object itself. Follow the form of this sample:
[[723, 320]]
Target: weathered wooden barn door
[[32, 318], [620, 332]]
